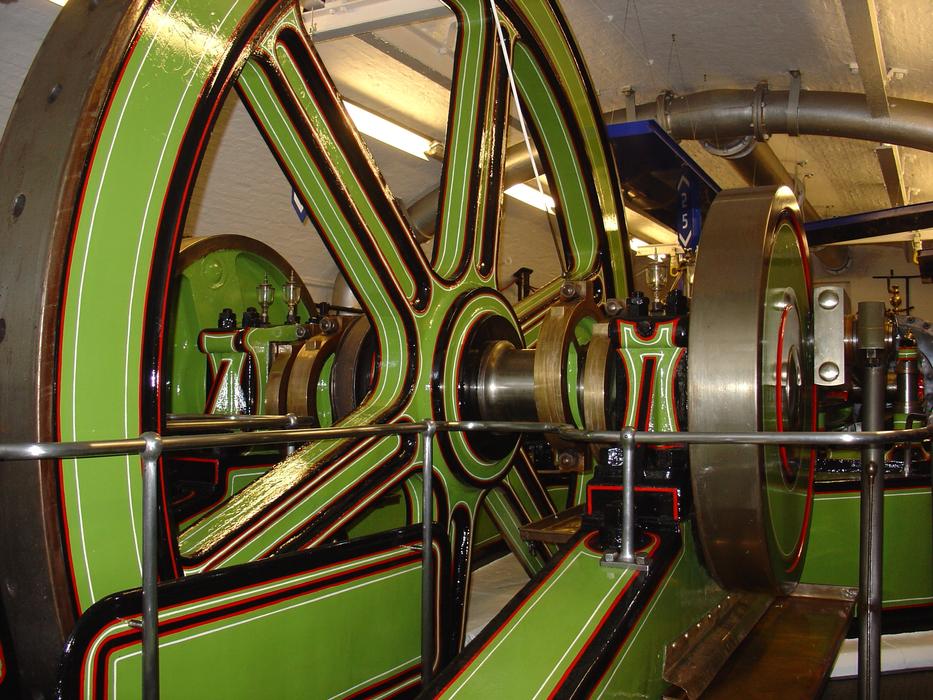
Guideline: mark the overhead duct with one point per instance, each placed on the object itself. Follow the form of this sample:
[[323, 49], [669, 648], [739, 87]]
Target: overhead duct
[[422, 213], [720, 115], [729, 114]]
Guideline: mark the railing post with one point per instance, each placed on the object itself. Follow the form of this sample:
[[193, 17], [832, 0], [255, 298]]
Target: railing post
[[292, 423], [427, 570], [628, 496], [625, 557], [150, 600], [871, 344]]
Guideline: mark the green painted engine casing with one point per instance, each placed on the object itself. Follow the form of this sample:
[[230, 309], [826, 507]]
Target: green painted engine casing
[[833, 550]]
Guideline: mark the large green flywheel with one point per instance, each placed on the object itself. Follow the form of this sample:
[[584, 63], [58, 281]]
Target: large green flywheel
[[101, 171]]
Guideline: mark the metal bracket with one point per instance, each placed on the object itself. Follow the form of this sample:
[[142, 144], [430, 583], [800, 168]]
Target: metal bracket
[[824, 592], [629, 93], [693, 660], [829, 336], [758, 112], [612, 559], [793, 104]]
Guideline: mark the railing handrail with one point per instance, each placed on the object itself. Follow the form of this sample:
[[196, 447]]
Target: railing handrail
[[277, 436], [150, 447]]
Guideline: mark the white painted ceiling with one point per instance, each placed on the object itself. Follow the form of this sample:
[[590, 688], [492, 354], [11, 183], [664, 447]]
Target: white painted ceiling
[[648, 45]]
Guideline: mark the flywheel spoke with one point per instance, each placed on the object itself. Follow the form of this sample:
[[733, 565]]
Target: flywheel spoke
[[469, 202], [296, 107], [320, 488]]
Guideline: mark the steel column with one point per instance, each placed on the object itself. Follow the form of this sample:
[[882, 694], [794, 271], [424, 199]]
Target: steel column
[[862, 21], [871, 344], [889, 160], [628, 495]]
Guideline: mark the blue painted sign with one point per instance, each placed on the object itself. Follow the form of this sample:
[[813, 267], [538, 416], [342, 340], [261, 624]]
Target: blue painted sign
[[299, 207], [689, 218]]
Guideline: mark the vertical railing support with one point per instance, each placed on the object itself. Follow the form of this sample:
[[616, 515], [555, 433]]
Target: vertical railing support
[[292, 424], [427, 570], [150, 601], [624, 557], [628, 496], [871, 344]]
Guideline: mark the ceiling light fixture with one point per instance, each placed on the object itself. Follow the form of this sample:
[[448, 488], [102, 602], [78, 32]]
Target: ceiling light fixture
[[648, 229], [530, 195], [59, 2], [388, 132]]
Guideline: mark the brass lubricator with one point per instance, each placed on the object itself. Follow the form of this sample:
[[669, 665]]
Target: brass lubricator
[[291, 290], [657, 276], [265, 293]]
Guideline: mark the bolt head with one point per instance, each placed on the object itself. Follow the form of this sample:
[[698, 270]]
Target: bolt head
[[18, 205], [829, 371], [828, 299]]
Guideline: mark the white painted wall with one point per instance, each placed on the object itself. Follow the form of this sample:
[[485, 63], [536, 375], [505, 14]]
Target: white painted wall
[[23, 26], [869, 260]]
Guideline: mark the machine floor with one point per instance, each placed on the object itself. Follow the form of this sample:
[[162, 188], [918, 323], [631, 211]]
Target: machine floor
[[491, 587], [911, 685], [788, 654]]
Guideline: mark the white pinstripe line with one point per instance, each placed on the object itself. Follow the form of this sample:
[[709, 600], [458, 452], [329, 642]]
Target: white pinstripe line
[[166, 616], [645, 618], [139, 243], [77, 326], [583, 629], [474, 92], [270, 613], [505, 636], [300, 177], [375, 678]]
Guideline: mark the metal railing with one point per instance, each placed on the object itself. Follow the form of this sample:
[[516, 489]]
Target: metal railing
[[151, 446]]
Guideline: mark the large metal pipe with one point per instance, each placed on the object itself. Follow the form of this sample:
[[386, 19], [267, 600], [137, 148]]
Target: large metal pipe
[[422, 213], [761, 166], [728, 114], [721, 115]]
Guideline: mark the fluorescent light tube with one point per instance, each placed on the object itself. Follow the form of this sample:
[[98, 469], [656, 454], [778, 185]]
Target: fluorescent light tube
[[532, 196], [388, 132]]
